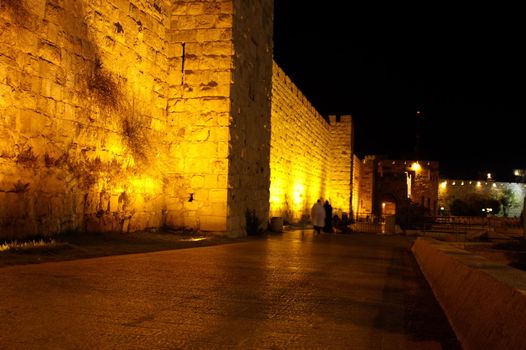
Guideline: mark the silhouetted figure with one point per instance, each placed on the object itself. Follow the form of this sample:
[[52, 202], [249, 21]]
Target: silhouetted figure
[[318, 216], [328, 217]]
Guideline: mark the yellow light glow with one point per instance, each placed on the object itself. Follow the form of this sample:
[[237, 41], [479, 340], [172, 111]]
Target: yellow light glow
[[277, 192], [144, 185], [454, 183], [479, 184], [193, 239], [416, 167], [462, 183], [298, 191], [443, 185], [489, 176]]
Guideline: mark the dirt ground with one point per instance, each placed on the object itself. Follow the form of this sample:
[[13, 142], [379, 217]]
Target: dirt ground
[[84, 245]]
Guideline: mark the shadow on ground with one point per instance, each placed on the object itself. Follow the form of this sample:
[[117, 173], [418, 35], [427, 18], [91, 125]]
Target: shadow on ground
[[73, 246]]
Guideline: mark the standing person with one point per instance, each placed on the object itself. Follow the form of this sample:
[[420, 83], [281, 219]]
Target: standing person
[[328, 217], [318, 216]]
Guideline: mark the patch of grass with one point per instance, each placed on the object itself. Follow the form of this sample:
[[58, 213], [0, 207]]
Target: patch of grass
[[32, 246], [78, 245]]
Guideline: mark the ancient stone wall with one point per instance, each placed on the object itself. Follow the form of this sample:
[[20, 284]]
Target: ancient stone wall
[[340, 152], [356, 176], [451, 189], [425, 187], [83, 98], [118, 115], [126, 115], [249, 171], [367, 181], [306, 164], [199, 112]]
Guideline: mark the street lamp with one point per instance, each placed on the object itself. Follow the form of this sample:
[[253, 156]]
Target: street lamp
[[416, 167]]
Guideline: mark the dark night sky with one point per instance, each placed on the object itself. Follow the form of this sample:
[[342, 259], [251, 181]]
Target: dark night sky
[[462, 67]]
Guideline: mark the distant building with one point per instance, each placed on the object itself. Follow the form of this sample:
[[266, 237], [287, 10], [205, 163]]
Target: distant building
[[519, 175], [387, 186]]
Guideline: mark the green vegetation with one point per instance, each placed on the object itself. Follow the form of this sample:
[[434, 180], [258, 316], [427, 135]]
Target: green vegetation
[[474, 205], [30, 246]]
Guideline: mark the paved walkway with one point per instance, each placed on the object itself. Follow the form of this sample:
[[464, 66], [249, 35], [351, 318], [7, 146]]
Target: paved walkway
[[291, 291]]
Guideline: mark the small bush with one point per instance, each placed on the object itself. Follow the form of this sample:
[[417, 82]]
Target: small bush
[[103, 88], [26, 157], [135, 130], [30, 246]]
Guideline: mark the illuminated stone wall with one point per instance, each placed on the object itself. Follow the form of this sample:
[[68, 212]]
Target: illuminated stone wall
[[340, 162], [119, 115], [366, 187], [249, 171], [425, 185], [199, 114], [451, 189], [83, 98], [356, 175], [309, 158]]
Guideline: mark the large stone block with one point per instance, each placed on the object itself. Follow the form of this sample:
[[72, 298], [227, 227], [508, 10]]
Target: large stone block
[[213, 223]]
